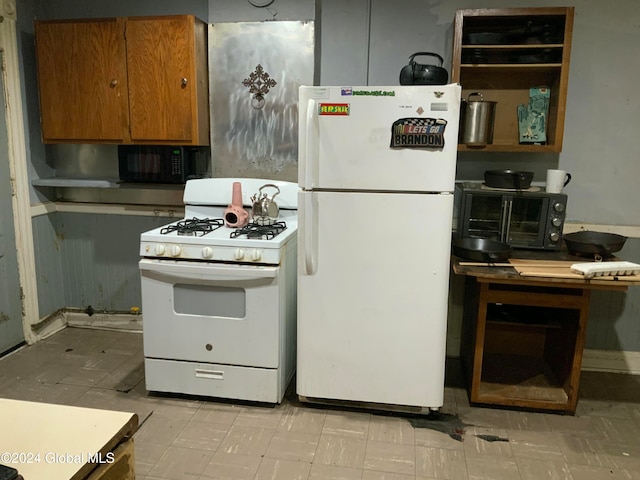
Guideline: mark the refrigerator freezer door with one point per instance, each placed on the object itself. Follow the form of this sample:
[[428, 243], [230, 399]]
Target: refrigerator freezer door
[[373, 271], [378, 138]]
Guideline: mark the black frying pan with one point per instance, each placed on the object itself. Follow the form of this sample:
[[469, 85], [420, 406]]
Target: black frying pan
[[510, 179], [588, 243], [481, 249]]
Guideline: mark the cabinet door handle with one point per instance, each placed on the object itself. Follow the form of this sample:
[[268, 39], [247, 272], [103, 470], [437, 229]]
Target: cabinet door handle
[[113, 83], [184, 82]]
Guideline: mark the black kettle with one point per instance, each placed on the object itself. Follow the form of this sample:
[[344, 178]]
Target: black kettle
[[419, 74]]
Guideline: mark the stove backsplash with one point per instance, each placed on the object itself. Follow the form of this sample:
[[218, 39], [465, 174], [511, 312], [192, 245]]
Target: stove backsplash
[[257, 135]]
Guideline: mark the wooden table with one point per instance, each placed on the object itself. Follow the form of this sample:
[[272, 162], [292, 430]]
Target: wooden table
[[59, 442], [523, 336]]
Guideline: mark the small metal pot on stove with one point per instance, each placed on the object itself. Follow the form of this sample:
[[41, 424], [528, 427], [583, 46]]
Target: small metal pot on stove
[[265, 210]]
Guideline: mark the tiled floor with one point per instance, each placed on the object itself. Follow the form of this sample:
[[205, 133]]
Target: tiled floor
[[198, 439]]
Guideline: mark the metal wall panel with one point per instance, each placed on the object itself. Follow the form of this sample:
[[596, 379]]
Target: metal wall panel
[[249, 137]]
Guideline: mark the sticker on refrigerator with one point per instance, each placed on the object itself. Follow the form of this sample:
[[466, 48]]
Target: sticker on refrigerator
[[418, 133], [333, 109]]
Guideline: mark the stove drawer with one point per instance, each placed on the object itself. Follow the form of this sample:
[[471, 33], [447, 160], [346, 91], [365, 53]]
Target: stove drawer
[[212, 380], [213, 313]]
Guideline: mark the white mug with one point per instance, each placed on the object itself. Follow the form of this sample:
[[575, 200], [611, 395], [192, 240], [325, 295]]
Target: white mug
[[557, 180]]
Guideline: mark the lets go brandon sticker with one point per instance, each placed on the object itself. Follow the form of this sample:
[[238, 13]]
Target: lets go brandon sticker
[[418, 133]]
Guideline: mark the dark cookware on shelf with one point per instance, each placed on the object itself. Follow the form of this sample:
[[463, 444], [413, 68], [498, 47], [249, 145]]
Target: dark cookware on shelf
[[424, 74], [594, 244], [510, 179], [481, 249]]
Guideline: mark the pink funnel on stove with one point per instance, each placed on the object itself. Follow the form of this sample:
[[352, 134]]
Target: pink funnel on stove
[[235, 216]]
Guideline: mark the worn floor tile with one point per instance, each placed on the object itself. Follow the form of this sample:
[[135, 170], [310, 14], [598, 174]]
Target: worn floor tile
[[147, 456], [217, 413], [329, 472], [302, 419], [373, 475], [160, 430], [390, 457], [230, 466], [534, 469], [481, 441], [279, 469], [246, 440], [264, 417], [492, 468], [348, 424], [582, 472], [391, 430], [339, 451], [182, 463], [589, 451], [531, 444], [202, 435], [441, 463], [296, 446]]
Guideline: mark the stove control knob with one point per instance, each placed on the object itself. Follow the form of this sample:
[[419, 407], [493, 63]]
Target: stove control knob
[[554, 236], [176, 250], [558, 207], [256, 255], [238, 254], [207, 252], [556, 221], [159, 249]]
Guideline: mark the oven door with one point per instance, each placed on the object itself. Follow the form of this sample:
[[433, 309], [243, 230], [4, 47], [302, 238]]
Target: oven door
[[527, 219], [211, 312]]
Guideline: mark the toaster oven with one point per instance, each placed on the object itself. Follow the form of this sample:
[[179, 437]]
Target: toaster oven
[[527, 219]]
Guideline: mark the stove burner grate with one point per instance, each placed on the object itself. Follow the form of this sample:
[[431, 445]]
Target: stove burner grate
[[193, 227], [255, 230]]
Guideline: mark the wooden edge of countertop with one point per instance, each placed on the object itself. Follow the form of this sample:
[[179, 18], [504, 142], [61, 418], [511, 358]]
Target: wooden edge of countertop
[[506, 273], [124, 434]]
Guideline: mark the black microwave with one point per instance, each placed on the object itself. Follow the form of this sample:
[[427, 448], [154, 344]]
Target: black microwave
[[527, 219], [161, 163]]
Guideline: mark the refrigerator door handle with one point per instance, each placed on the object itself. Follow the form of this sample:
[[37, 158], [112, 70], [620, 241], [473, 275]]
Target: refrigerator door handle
[[311, 162], [310, 233]]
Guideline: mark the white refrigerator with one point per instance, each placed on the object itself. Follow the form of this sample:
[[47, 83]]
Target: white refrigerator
[[376, 175]]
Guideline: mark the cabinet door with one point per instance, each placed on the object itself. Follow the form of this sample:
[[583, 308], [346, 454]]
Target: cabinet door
[[82, 80], [161, 68]]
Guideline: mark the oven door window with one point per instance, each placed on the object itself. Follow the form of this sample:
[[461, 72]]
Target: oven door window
[[527, 222], [210, 300], [483, 216]]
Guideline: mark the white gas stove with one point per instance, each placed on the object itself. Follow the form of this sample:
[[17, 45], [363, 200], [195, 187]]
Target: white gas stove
[[203, 235], [219, 296]]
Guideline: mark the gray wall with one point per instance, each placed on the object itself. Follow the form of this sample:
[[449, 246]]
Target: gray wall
[[600, 149], [89, 260]]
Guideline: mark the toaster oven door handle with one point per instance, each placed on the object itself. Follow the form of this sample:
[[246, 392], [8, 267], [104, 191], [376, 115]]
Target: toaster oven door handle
[[503, 220], [507, 221], [194, 271]]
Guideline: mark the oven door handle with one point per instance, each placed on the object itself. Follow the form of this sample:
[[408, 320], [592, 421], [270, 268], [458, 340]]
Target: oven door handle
[[196, 271]]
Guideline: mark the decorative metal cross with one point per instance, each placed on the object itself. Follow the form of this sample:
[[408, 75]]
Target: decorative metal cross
[[259, 83]]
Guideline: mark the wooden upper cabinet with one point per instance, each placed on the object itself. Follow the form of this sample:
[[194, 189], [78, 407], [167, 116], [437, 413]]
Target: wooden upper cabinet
[[82, 80], [502, 53], [140, 80]]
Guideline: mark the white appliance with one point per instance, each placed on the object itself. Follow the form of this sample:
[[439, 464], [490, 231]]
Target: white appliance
[[376, 171], [219, 303]]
